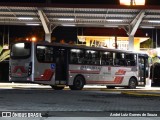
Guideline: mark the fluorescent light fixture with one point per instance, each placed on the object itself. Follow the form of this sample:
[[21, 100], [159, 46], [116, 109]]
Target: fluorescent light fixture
[[114, 20], [33, 24], [147, 27], [110, 26], [69, 19], [154, 21], [68, 25], [134, 2], [25, 18]]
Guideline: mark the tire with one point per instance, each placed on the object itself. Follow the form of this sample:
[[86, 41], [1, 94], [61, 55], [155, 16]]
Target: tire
[[132, 83], [78, 83], [57, 88], [110, 87]]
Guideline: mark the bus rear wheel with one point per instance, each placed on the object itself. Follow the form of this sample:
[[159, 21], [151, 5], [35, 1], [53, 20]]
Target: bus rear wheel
[[132, 83], [78, 83], [57, 87]]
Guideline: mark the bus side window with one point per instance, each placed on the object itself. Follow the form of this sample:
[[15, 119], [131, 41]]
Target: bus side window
[[45, 54], [88, 57], [81, 57], [97, 58], [106, 58], [76, 56], [116, 58], [131, 59], [49, 54], [73, 56], [91, 57], [40, 55]]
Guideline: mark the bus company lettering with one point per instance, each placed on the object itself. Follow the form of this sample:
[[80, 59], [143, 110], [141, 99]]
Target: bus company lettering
[[86, 67]]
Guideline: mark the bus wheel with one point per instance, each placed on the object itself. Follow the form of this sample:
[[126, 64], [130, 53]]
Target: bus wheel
[[132, 83], [57, 88], [78, 83], [110, 87]]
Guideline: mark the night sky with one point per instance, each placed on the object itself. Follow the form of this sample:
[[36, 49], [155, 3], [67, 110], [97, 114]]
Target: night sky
[[109, 2], [67, 33], [60, 33]]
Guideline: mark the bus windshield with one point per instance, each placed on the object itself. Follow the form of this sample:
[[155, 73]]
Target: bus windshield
[[20, 50]]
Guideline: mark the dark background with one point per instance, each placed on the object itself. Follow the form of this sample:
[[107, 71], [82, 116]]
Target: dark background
[[110, 2]]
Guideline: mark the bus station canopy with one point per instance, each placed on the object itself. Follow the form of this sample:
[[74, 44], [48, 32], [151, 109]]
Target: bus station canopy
[[80, 15]]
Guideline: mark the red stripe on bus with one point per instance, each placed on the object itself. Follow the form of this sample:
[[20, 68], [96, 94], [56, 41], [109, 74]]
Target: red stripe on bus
[[120, 72], [46, 76], [84, 72], [117, 80], [21, 68]]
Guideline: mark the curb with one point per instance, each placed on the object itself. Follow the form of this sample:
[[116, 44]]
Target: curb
[[141, 94]]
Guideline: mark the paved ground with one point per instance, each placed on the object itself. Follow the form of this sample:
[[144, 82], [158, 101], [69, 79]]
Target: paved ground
[[140, 91], [92, 102]]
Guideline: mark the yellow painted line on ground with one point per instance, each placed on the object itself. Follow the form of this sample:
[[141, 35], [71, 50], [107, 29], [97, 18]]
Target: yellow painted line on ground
[[141, 94]]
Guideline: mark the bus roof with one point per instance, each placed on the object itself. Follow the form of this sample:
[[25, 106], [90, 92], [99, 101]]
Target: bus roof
[[88, 47]]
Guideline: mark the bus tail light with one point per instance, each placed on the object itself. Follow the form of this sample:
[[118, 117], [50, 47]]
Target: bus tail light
[[30, 69]]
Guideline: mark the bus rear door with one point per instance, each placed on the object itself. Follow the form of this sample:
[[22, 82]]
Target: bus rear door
[[61, 71]]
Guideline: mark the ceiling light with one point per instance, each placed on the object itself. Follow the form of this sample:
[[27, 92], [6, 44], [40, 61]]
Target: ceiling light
[[111, 26], [33, 24], [25, 18], [132, 2], [154, 21], [68, 25], [69, 19], [114, 20], [147, 27]]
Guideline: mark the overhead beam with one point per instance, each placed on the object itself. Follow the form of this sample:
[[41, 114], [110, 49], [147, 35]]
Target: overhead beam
[[136, 22], [44, 21]]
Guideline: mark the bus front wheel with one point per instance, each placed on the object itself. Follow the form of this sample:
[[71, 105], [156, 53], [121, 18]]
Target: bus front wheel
[[132, 83], [78, 83], [57, 88]]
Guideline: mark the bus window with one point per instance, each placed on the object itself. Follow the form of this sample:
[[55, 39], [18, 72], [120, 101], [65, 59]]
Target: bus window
[[92, 57], [131, 59], [120, 59], [95, 58], [76, 56], [20, 50], [106, 58], [45, 54]]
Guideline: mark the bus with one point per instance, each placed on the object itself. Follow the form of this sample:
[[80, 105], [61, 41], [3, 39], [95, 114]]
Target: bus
[[60, 65]]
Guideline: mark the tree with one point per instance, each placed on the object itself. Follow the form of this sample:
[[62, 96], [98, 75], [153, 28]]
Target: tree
[[4, 54]]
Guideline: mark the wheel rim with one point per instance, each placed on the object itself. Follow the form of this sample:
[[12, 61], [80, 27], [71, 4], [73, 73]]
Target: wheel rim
[[132, 84], [79, 82]]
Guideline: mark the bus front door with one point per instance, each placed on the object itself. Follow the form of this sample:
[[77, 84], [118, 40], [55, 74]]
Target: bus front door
[[143, 69], [61, 66]]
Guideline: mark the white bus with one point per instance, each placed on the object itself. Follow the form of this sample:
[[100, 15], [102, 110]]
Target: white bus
[[60, 65]]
